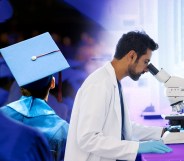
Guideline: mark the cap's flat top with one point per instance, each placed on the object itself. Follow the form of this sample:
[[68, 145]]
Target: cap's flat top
[[25, 70]]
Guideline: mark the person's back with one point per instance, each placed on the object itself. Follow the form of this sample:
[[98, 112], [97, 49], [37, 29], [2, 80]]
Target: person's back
[[37, 113], [21, 143]]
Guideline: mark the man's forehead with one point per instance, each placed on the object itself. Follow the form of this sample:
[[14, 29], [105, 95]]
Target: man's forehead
[[147, 55]]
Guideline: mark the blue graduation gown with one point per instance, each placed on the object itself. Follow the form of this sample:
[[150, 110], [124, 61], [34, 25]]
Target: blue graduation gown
[[21, 143], [37, 113]]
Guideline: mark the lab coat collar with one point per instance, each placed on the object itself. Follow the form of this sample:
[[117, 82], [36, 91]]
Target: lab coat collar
[[31, 107], [117, 105], [112, 73]]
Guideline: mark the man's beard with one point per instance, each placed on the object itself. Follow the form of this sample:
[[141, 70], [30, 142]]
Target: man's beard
[[132, 74]]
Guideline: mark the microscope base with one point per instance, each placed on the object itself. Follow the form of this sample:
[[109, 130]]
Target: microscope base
[[173, 137]]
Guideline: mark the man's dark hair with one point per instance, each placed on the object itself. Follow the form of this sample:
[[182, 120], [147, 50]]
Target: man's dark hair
[[37, 89], [134, 40]]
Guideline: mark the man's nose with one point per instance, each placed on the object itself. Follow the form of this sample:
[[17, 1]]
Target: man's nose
[[146, 69]]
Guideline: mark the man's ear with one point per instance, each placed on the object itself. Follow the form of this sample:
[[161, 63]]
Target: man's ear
[[132, 56], [52, 86]]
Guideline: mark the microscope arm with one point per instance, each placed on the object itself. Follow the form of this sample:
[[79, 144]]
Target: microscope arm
[[174, 87]]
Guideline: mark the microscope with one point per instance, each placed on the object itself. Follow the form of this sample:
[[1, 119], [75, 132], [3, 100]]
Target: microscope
[[175, 92]]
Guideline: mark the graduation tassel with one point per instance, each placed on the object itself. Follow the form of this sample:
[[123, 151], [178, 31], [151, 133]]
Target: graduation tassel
[[60, 87], [33, 58]]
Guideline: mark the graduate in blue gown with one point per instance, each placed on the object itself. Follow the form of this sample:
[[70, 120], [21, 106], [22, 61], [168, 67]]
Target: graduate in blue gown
[[21, 143], [34, 75]]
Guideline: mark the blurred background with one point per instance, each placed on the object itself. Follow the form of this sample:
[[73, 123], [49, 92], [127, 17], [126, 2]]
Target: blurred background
[[87, 33]]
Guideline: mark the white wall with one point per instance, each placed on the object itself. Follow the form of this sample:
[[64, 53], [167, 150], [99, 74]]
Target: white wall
[[163, 20]]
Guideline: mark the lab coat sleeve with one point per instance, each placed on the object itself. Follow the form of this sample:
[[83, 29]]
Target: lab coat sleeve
[[142, 133], [92, 115]]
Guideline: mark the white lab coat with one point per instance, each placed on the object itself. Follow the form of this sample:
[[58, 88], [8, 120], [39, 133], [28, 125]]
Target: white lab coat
[[95, 125]]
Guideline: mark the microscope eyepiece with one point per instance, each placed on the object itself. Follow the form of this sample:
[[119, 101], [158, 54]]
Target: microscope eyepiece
[[152, 69]]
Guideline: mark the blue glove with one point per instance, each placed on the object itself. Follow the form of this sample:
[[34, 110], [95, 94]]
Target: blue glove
[[153, 147]]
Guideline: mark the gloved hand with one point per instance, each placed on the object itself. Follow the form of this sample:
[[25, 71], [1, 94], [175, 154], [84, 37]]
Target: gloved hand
[[153, 147]]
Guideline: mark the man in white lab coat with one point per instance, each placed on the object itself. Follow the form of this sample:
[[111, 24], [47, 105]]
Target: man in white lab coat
[[100, 130]]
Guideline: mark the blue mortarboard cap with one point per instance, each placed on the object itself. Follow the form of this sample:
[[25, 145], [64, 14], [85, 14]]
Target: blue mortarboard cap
[[34, 59]]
